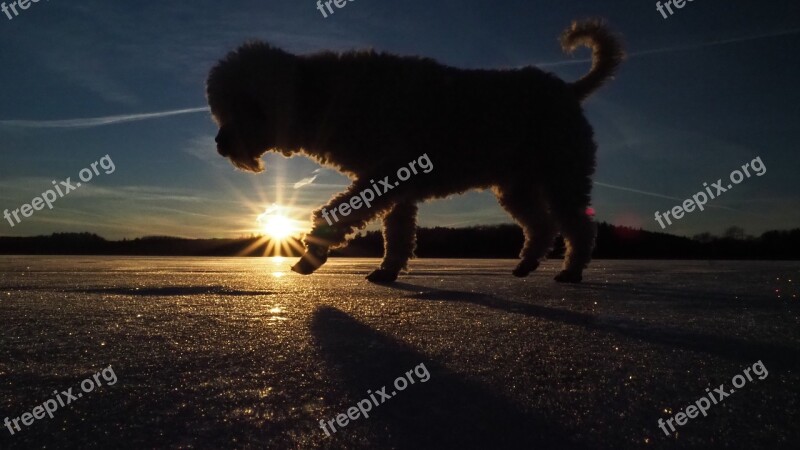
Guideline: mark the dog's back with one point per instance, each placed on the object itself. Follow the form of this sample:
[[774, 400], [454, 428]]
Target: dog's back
[[410, 103]]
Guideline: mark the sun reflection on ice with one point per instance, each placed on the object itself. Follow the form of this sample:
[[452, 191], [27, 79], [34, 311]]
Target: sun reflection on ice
[[276, 317], [278, 261]]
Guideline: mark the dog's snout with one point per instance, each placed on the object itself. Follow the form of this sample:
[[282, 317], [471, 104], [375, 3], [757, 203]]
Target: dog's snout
[[222, 142]]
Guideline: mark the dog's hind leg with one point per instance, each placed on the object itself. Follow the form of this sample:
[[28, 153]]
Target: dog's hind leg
[[399, 241], [338, 219], [576, 226], [527, 206]]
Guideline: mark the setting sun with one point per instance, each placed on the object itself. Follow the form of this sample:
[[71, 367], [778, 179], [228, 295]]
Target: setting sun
[[277, 227], [275, 224]]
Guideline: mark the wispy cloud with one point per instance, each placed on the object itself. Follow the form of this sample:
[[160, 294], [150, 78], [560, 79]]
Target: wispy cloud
[[203, 148], [307, 181], [679, 48], [98, 121]]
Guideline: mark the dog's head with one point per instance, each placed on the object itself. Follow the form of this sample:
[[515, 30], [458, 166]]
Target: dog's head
[[251, 96], [245, 134]]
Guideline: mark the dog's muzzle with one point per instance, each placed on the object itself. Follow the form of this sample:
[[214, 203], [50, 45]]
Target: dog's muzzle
[[223, 141]]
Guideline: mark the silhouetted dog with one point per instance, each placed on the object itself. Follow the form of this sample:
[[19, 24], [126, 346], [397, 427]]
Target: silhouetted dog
[[520, 132]]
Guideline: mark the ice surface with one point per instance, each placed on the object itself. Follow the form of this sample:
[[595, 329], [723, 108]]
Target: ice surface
[[243, 353]]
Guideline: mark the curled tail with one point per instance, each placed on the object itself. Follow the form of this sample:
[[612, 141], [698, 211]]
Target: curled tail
[[607, 53]]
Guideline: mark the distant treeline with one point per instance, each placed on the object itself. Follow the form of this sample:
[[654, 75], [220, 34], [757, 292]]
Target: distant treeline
[[497, 241]]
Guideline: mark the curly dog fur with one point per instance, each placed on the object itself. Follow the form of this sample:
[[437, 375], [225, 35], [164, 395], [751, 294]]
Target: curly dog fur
[[520, 132]]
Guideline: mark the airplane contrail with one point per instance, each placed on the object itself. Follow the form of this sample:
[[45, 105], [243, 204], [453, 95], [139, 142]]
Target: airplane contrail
[[110, 120], [680, 47], [98, 121], [653, 194]]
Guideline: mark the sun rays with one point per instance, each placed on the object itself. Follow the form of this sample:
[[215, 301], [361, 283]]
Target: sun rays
[[277, 232], [277, 223]]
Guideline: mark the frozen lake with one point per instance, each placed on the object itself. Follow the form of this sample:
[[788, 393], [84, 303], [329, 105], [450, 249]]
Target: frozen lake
[[243, 353]]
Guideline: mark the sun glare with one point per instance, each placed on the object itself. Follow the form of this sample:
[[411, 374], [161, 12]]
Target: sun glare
[[276, 225]]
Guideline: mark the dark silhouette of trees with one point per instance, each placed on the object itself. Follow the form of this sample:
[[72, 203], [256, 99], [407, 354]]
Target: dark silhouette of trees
[[497, 241]]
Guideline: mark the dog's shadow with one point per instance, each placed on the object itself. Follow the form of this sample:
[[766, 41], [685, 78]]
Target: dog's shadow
[[447, 411], [731, 348]]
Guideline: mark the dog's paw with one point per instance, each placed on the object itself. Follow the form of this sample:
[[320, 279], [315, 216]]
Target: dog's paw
[[311, 260], [304, 267], [524, 268], [382, 276], [568, 277]]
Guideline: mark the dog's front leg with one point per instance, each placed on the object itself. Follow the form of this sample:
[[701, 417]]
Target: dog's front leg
[[345, 213]]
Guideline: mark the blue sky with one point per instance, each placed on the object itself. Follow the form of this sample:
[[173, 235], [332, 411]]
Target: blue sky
[[704, 92]]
